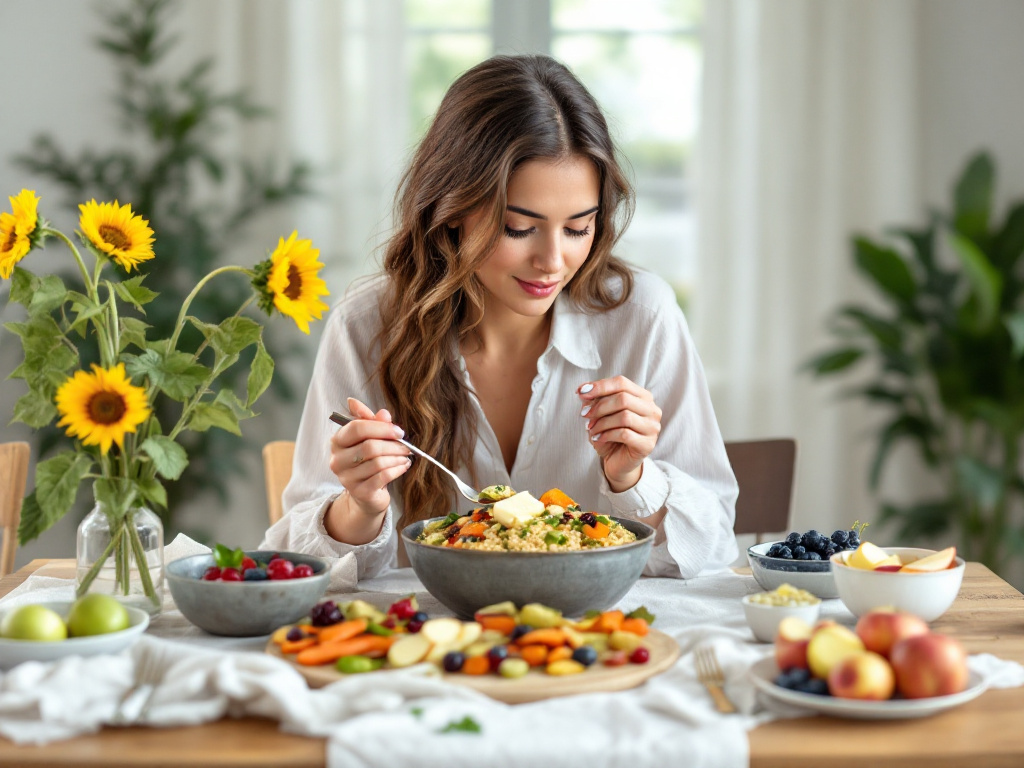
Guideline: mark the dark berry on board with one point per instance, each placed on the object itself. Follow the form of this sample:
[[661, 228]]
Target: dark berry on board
[[519, 631], [325, 614], [496, 655], [294, 634], [453, 661], [585, 655]]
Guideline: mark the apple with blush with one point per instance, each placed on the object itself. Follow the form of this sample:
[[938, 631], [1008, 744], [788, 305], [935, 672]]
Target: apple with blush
[[881, 629], [791, 639], [864, 676], [830, 645], [929, 665]]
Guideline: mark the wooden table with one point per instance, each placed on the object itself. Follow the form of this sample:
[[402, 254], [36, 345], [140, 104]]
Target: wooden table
[[988, 616]]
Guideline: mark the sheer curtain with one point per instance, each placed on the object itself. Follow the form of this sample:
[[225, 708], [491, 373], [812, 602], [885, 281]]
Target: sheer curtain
[[809, 133]]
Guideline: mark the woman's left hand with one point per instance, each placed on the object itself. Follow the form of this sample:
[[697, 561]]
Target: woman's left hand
[[623, 423]]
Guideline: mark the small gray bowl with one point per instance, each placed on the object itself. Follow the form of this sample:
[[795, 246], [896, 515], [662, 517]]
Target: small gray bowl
[[244, 608], [772, 572], [465, 580]]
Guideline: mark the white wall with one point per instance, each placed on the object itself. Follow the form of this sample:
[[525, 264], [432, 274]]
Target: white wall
[[971, 96]]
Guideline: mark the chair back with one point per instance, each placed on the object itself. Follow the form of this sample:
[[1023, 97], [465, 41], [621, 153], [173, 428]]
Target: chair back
[[13, 474], [277, 471], [764, 470]]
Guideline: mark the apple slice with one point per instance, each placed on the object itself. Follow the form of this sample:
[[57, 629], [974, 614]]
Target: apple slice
[[408, 650], [867, 556], [442, 631], [937, 561], [891, 563]]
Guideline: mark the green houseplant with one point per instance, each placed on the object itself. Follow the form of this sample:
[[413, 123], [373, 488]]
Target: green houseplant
[[199, 199], [945, 346]]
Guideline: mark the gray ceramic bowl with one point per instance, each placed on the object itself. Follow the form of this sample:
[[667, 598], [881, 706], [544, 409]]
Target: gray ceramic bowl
[[244, 608], [466, 580], [772, 572]]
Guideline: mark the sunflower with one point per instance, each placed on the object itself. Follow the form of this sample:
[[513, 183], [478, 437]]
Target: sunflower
[[16, 230], [114, 230], [291, 284], [99, 407]]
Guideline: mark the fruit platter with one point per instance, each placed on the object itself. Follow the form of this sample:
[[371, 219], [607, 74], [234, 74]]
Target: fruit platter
[[513, 654]]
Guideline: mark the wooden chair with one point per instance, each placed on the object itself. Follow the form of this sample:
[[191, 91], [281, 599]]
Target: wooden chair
[[277, 470], [764, 470], [13, 474]]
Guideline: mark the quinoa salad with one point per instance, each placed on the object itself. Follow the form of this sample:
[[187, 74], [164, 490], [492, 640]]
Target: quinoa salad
[[517, 522]]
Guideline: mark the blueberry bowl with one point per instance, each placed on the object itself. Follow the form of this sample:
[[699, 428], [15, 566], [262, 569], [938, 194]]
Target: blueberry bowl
[[245, 608], [772, 572]]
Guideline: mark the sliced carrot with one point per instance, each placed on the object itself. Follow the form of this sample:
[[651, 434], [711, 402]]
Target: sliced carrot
[[473, 529], [636, 626], [557, 654], [553, 637], [325, 653], [535, 655], [476, 665], [596, 531], [608, 622], [480, 515], [497, 621], [294, 646], [556, 497], [343, 630]]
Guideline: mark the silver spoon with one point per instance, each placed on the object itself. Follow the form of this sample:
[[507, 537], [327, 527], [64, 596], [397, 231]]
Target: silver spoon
[[465, 490]]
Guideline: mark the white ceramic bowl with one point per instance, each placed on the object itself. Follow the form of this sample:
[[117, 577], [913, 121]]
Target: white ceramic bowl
[[14, 652], [772, 572], [764, 619], [928, 595]]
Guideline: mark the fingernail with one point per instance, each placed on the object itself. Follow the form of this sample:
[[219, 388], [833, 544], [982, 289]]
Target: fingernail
[[595, 438], [387, 414], [399, 432], [586, 388], [586, 410]]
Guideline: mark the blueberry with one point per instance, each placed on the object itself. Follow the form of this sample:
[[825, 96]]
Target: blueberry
[[793, 539], [811, 556], [839, 538], [785, 553], [809, 539], [816, 686], [828, 551], [519, 631], [453, 661], [585, 655], [798, 552], [853, 540], [773, 550], [792, 677], [254, 574], [419, 616]]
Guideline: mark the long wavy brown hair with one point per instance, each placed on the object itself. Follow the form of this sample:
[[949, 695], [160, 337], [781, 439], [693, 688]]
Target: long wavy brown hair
[[499, 114]]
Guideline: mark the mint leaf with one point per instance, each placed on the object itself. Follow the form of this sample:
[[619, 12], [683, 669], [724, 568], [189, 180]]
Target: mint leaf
[[227, 558], [465, 725]]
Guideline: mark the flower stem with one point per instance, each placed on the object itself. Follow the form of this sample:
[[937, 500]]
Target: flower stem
[[78, 257], [140, 559], [195, 291], [94, 571]]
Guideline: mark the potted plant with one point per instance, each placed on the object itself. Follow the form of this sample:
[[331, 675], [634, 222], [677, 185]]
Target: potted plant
[[945, 346]]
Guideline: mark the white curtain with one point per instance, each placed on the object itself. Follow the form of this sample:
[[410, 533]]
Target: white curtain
[[809, 133]]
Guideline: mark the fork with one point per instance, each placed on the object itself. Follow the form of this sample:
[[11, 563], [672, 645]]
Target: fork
[[710, 674], [148, 674], [464, 489]]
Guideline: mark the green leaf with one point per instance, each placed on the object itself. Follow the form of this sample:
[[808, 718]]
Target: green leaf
[[48, 295], [133, 331], [206, 415], [116, 494], [225, 557], [169, 458], [231, 336], [34, 409], [57, 482], [887, 268], [134, 292], [153, 491], [986, 283], [176, 375], [973, 197], [888, 334], [230, 399], [465, 725], [837, 360], [982, 483], [260, 374], [83, 312], [1015, 326]]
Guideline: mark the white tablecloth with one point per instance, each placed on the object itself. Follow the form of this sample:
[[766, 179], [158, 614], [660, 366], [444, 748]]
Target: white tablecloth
[[400, 718]]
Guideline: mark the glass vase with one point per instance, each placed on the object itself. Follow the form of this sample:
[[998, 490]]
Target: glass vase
[[122, 555]]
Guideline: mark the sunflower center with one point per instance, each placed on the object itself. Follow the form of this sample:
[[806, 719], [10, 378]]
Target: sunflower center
[[115, 236], [8, 244], [294, 289], [106, 408]]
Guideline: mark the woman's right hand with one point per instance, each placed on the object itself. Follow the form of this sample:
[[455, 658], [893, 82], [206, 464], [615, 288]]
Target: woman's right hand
[[366, 457]]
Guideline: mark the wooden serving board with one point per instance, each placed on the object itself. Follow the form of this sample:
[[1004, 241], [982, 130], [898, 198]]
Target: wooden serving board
[[536, 684]]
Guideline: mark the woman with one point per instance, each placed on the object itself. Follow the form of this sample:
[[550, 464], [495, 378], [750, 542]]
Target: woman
[[506, 340]]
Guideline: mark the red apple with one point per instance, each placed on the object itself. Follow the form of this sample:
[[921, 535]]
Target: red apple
[[830, 645], [791, 639], [862, 676], [881, 629], [929, 665]]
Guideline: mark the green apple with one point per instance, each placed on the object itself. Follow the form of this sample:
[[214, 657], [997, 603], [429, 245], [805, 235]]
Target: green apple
[[96, 614], [33, 622]]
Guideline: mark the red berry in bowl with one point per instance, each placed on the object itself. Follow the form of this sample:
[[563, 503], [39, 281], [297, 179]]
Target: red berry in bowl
[[302, 571], [247, 563], [280, 569], [211, 574], [230, 574]]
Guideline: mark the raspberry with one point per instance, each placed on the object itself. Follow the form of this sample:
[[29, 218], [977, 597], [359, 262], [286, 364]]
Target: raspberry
[[212, 574], [302, 571]]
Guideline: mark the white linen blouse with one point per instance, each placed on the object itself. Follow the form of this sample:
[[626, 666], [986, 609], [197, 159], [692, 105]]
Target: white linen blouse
[[646, 339]]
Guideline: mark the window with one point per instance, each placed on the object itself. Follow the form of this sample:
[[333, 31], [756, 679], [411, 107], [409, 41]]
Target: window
[[640, 59]]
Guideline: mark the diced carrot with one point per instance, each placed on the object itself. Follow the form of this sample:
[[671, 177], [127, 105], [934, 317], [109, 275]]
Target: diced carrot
[[636, 626], [597, 531], [481, 515], [555, 496], [473, 529], [476, 665], [497, 621], [535, 655], [553, 637], [294, 646], [325, 653], [608, 622], [557, 654], [343, 630]]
